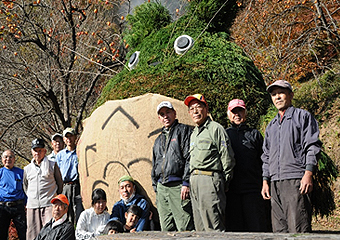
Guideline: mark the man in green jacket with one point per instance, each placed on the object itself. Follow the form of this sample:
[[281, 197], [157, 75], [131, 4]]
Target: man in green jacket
[[211, 164]]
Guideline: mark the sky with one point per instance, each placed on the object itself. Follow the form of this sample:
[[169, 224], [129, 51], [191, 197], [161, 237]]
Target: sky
[[172, 5]]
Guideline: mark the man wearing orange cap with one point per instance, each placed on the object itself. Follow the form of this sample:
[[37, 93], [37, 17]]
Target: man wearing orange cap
[[58, 227], [246, 209], [211, 164]]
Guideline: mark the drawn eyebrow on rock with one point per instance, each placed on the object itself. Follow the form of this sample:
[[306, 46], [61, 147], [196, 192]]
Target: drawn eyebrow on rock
[[156, 132], [128, 116], [99, 182], [113, 162], [138, 160], [89, 147]]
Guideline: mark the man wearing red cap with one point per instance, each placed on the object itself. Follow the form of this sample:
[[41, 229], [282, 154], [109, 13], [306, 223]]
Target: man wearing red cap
[[290, 155], [211, 164], [58, 227], [246, 209]]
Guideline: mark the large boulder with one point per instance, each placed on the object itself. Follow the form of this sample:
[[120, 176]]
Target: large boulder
[[117, 140]]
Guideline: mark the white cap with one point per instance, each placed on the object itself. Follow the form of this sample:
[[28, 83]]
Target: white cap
[[56, 135], [164, 104]]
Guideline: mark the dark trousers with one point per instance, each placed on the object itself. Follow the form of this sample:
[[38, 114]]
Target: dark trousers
[[15, 213], [291, 211], [247, 212], [72, 192]]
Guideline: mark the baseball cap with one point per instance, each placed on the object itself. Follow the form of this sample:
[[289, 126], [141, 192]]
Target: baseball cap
[[197, 96], [280, 83], [126, 178], [38, 143], [164, 104], [236, 103], [56, 135], [69, 130], [62, 198]]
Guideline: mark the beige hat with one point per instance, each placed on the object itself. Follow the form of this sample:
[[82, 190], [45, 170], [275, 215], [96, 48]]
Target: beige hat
[[281, 84]]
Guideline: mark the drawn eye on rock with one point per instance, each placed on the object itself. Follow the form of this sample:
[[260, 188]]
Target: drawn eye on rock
[[117, 140]]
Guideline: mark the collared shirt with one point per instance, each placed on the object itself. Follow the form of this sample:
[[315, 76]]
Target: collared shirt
[[68, 164], [59, 221], [210, 149], [11, 184], [52, 156], [60, 229], [91, 224], [291, 145]]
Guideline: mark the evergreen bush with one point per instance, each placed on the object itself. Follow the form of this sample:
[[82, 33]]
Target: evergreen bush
[[214, 66], [147, 18]]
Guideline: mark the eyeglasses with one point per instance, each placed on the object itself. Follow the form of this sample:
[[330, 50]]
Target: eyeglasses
[[197, 107]]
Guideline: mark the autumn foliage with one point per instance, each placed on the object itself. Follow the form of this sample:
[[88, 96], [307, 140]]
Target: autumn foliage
[[292, 39]]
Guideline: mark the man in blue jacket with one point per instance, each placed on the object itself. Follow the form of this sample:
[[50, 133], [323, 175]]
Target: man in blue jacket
[[128, 195], [290, 151]]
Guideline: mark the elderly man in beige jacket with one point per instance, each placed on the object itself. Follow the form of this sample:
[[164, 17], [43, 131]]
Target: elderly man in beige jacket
[[42, 182]]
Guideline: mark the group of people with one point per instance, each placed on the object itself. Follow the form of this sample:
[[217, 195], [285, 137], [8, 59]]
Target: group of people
[[205, 178], [44, 202], [211, 178], [47, 188]]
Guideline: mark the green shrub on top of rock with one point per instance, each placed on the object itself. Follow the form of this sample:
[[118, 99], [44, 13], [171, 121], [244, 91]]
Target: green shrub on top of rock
[[214, 66], [147, 18]]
